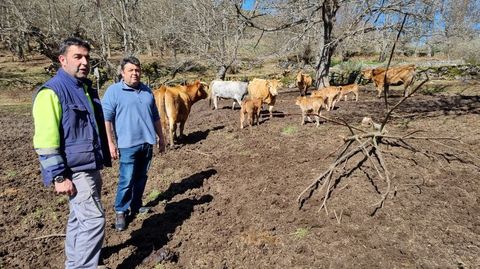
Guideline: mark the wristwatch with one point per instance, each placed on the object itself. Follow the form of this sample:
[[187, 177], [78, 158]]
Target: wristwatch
[[58, 179]]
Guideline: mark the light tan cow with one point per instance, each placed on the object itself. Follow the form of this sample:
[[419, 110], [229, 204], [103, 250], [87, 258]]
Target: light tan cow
[[310, 104], [330, 95], [346, 89], [252, 108], [266, 90], [395, 76], [304, 81], [174, 104]]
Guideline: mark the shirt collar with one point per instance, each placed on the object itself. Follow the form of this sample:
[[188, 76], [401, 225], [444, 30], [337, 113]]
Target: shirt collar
[[126, 87]]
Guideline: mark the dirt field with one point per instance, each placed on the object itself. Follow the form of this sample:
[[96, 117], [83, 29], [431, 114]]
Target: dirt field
[[226, 198]]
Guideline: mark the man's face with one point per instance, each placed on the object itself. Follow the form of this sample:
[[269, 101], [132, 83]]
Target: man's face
[[131, 74], [76, 61]]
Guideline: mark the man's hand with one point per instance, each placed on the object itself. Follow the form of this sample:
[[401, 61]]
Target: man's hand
[[66, 187], [113, 151]]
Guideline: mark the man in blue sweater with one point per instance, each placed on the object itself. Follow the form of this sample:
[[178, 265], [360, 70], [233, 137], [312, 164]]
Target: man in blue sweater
[[130, 112], [71, 143]]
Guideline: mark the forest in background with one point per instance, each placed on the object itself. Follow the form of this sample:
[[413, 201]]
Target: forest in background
[[227, 35]]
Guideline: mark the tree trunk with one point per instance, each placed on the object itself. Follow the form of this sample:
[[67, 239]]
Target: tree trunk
[[329, 10], [222, 72], [102, 29]]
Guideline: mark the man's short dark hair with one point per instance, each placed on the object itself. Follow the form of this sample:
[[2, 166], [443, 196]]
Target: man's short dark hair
[[72, 41], [129, 60]]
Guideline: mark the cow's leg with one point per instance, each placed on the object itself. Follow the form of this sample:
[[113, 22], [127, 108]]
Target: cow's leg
[[215, 102], [379, 92], [329, 103], [270, 109], [172, 132], [405, 89], [242, 118], [182, 126], [303, 117], [250, 119], [356, 96], [233, 105]]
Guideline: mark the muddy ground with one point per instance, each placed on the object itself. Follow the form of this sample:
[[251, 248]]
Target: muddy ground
[[226, 198]]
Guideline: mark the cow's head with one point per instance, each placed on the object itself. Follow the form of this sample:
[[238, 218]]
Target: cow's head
[[367, 73], [202, 91], [273, 85], [300, 76], [197, 90]]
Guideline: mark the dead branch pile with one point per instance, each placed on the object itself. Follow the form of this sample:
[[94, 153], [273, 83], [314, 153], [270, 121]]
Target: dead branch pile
[[370, 143]]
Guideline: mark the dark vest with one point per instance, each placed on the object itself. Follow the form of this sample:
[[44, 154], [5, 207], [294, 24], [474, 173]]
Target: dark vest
[[82, 145]]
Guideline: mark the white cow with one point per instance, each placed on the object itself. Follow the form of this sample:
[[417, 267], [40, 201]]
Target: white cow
[[235, 90]]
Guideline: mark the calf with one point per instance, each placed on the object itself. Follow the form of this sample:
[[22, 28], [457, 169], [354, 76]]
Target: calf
[[330, 96], [351, 88], [266, 90], [252, 108], [310, 104], [304, 81], [174, 104], [235, 90], [395, 76]]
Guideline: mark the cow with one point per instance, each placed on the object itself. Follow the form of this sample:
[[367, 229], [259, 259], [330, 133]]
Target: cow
[[235, 90], [266, 90], [330, 95], [252, 108], [310, 104], [174, 104], [304, 81], [395, 76], [346, 89]]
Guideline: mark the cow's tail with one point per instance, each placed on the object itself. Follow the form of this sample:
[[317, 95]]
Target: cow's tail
[[160, 102]]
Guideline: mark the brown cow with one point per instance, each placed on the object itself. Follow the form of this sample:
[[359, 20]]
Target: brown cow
[[174, 104], [266, 90], [310, 104], [304, 81], [395, 76], [252, 108], [346, 89], [330, 96]]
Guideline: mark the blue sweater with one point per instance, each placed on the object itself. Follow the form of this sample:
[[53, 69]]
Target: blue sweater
[[133, 113]]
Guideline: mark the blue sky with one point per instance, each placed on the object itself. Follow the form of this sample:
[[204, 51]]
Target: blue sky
[[248, 4]]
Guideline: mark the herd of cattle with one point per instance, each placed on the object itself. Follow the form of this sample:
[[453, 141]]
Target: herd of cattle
[[175, 102]]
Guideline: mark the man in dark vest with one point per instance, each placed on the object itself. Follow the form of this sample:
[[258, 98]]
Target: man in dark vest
[[71, 143]]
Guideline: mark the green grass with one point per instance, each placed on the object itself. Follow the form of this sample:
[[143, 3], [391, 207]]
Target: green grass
[[153, 195], [301, 233], [289, 130], [433, 89], [11, 173]]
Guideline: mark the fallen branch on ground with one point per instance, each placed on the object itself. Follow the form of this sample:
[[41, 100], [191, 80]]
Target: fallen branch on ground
[[49, 236], [369, 143]]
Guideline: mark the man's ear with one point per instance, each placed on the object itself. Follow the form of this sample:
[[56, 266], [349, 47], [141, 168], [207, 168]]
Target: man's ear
[[61, 58]]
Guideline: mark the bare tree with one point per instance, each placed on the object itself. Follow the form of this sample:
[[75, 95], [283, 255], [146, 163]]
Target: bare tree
[[362, 18], [212, 30]]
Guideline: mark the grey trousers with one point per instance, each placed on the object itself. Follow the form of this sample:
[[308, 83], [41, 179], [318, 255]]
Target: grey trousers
[[86, 222]]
